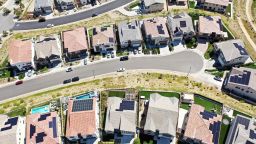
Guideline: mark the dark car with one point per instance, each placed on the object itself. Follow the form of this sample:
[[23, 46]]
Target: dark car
[[217, 78], [19, 82], [94, 15], [124, 58], [74, 79], [67, 81], [41, 19]]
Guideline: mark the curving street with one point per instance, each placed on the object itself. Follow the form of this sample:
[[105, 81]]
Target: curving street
[[186, 62], [70, 18]]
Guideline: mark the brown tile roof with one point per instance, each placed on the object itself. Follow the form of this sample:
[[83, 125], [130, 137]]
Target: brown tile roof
[[41, 126], [75, 40], [152, 24], [197, 127], [102, 35], [81, 122], [20, 51], [210, 24]]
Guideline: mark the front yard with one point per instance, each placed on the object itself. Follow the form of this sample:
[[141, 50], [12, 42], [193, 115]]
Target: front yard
[[208, 104], [224, 129]]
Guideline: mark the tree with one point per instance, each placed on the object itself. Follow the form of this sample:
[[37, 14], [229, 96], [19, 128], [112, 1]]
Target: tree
[[136, 141], [6, 11], [5, 33]]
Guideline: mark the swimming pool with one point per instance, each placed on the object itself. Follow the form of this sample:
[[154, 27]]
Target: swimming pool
[[40, 110], [86, 95]]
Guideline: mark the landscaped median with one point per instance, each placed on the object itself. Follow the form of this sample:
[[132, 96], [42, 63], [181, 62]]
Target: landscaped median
[[138, 80]]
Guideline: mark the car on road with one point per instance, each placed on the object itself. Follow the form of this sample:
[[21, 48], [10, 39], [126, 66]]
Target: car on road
[[124, 58], [85, 61], [69, 69], [67, 81], [94, 15], [121, 70], [74, 79], [217, 78], [112, 55], [19, 82], [41, 19], [50, 25]]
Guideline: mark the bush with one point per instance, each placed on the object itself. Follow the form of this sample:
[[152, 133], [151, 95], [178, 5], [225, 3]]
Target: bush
[[6, 11], [146, 51], [170, 48], [21, 76]]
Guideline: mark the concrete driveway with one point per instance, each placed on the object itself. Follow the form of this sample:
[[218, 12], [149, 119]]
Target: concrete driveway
[[6, 22], [185, 62]]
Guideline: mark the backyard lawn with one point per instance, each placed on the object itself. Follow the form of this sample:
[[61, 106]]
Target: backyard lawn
[[224, 130], [167, 94], [215, 72], [184, 106], [250, 65], [208, 104], [116, 94]]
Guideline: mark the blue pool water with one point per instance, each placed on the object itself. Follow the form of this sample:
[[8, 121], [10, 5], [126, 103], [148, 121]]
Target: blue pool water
[[86, 95], [40, 110]]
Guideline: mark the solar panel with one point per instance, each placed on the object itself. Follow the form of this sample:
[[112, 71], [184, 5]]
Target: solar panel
[[43, 116], [183, 24], [32, 130], [215, 131], [160, 29], [54, 128], [40, 137], [10, 123], [126, 105], [207, 115], [241, 79], [252, 134], [82, 105], [241, 49], [50, 124]]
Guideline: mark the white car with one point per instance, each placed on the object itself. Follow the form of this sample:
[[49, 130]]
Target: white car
[[50, 25], [69, 69], [121, 70]]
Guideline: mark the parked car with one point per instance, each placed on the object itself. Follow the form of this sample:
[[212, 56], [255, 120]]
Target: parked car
[[217, 78], [67, 81], [124, 58], [94, 15], [69, 69], [19, 82], [74, 79], [50, 25], [112, 55], [85, 61], [41, 19], [121, 70]]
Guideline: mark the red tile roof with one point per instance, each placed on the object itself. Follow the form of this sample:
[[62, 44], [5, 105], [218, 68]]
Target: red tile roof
[[197, 127], [20, 51], [75, 40], [41, 126], [81, 122]]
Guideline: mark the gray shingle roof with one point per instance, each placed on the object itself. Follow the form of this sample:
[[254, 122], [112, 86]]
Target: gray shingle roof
[[150, 2], [232, 49], [162, 114], [43, 3], [129, 31]]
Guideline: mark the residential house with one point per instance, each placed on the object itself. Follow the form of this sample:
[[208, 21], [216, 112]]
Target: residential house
[[242, 82], [211, 27], [103, 39], [20, 54], [162, 118], [181, 2], [43, 128], [75, 44], [47, 51], [214, 5], [129, 34], [82, 2], [202, 126], [12, 130], [242, 131], [42, 7], [231, 52], [81, 120], [155, 31], [121, 119], [65, 4], [180, 27], [153, 5]]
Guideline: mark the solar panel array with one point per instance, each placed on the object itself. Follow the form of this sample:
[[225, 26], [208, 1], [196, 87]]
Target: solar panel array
[[40, 137], [241, 49], [54, 127], [32, 130], [207, 115], [126, 105], [215, 128], [44, 116], [241, 79], [160, 29], [82, 105], [252, 134], [183, 24], [10, 123]]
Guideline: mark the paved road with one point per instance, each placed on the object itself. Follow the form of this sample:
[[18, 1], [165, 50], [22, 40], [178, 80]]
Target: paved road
[[180, 62], [71, 18], [6, 22]]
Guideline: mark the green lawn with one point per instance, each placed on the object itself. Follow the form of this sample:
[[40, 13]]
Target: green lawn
[[184, 106], [224, 130], [116, 94], [166, 94], [191, 4], [209, 53], [250, 65], [5, 73], [215, 72], [90, 32], [228, 9], [19, 111], [240, 113], [207, 104]]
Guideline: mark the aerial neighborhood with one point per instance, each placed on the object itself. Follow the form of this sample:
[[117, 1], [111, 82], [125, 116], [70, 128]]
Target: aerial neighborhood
[[127, 72]]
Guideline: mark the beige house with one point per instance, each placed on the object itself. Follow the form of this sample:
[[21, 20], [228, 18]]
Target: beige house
[[153, 5], [155, 31], [210, 27], [242, 82], [215, 5], [103, 39]]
